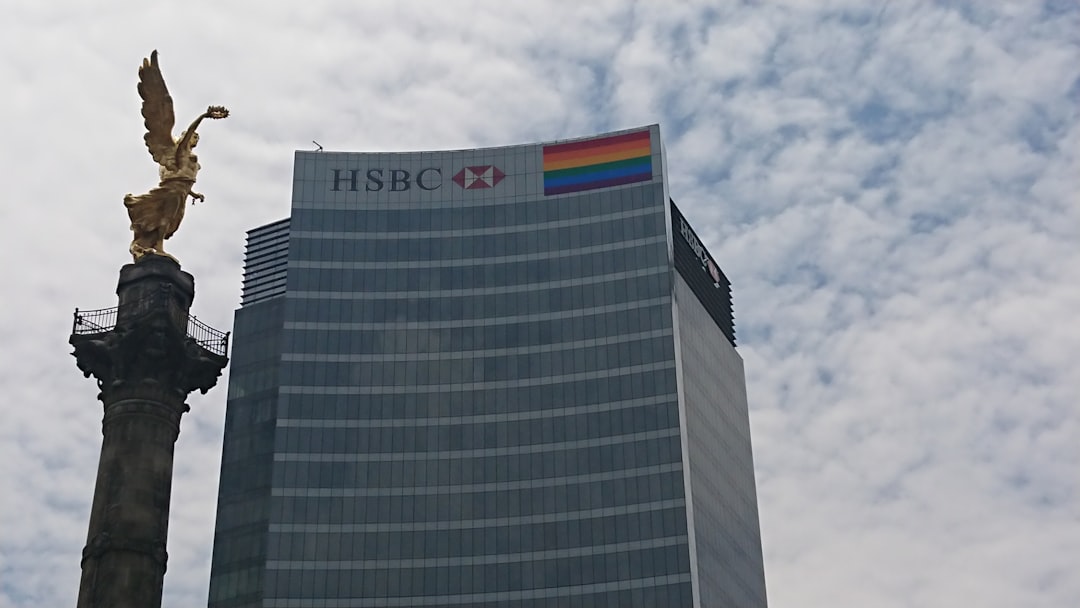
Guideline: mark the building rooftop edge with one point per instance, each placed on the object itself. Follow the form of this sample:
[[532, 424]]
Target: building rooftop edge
[[485, 148]]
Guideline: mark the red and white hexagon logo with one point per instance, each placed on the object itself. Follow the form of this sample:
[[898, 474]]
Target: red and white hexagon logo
[[714, 272], [484, 176]]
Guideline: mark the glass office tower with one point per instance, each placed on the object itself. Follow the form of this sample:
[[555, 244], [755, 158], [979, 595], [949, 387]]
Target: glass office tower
[[486, 378]]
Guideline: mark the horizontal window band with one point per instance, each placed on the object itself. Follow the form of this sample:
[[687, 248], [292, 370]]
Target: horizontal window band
[[257, 299], [471, 386], [321, 235], [262, 263], [279, 225], [471, 354], [468, 600], [560, 412], [270, 246], [261, 294], [260, 281], [536, 448], [651, 195], [480, 560], [482, 261], [478, 322], [480, 524], [504, 486], [482, 291]]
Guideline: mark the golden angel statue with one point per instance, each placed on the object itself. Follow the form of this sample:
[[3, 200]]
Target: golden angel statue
[[156, 215]]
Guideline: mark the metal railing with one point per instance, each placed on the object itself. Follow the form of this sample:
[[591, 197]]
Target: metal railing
[[213, 340], [94, 321], [104, 319]]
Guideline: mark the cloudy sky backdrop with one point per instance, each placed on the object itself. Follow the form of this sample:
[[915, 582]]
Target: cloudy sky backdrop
[[892, 188]]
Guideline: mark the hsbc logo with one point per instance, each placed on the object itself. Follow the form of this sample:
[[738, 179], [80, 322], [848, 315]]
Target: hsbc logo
[[483, 176], [400, 180], [714, 272]]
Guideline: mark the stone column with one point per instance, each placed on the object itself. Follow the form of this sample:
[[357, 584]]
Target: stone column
[[146, 363]]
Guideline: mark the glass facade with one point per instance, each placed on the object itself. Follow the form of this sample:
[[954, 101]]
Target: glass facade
[[450, 389]]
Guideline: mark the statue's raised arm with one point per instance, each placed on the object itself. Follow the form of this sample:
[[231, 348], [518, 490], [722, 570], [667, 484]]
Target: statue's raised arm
[[156, 215]]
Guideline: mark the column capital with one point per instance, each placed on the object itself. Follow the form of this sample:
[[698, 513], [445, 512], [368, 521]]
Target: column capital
[[144, 347]]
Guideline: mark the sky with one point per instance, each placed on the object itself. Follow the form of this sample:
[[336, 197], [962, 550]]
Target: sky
[[892, 188]]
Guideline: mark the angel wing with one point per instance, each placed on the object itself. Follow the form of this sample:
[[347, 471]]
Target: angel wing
[[157, 111]]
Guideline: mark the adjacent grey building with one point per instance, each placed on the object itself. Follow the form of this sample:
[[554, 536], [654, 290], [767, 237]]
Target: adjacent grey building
[[485, 378]]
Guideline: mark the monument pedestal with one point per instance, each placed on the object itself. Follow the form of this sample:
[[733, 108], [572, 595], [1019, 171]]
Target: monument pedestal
[[147, 355]]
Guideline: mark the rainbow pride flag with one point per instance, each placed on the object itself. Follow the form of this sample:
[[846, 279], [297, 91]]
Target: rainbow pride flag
[[597, 163]]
